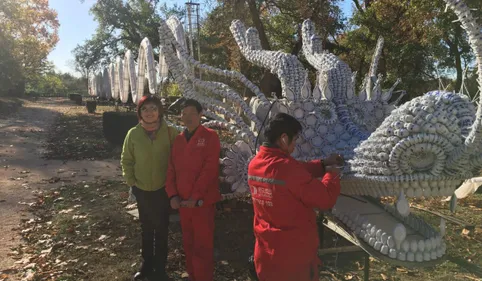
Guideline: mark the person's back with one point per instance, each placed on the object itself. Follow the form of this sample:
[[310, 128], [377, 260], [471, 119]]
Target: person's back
[[285, 192], [296, 217]]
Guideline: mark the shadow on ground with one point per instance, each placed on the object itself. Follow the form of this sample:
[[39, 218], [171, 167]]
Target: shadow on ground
[[78, 136]]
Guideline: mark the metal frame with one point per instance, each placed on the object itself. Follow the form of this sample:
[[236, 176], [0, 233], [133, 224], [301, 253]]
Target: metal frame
[[322, 222], [325, 220]]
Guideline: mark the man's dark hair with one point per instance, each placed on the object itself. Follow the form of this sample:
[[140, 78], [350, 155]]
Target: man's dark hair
[[279, 124], [192, 102]]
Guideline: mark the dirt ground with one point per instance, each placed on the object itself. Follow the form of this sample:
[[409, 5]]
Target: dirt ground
[[23, 169]]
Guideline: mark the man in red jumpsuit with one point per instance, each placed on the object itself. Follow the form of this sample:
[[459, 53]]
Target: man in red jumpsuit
[[285, 193], [193, 187]]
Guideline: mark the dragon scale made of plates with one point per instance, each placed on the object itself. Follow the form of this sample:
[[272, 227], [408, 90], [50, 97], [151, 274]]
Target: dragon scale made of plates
[[424, 148]]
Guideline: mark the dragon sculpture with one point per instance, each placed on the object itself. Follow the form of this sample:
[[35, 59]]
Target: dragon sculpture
[[424, 148]]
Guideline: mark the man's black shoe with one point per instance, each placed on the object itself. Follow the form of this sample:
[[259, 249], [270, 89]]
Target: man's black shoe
[[145, 272], [140, 276]]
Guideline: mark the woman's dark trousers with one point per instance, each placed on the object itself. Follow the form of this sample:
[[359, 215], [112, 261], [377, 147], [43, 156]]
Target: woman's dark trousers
[[153, 209]]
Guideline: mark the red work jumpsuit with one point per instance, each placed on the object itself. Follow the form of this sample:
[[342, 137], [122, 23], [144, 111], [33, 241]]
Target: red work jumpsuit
[[285, 192], [193, 173]]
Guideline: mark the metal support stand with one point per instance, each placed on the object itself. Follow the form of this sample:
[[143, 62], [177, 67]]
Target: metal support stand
[[321, 220], [321, 230], [366, 269]]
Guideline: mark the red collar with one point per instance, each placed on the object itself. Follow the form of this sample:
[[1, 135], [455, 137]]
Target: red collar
[[199, 128], [273, 150]]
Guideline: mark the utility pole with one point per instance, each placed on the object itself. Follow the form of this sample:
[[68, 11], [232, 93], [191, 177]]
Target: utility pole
[[193, 27]]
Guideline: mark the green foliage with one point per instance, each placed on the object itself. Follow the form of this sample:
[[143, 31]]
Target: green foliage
[[11, 76], [471, 87], [422, 43], [171, 89], [122, 26], [28, 32], [278, 24], [51, 83]]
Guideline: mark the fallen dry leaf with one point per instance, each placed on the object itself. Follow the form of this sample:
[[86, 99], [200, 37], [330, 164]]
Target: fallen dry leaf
[[131, 206], [359, 265], [78, 217], [66, 211], [30, 275], [384, 277], [46, 251], [30, 266], [103, 237]]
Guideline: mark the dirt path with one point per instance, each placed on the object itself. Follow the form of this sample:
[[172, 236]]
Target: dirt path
[[23, 171]]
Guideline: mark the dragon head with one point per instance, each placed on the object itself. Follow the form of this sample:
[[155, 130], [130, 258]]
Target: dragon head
[[423, 148]]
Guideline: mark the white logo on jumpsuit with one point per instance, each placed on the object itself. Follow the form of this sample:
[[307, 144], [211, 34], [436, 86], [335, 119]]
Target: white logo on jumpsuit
[[201, 142]]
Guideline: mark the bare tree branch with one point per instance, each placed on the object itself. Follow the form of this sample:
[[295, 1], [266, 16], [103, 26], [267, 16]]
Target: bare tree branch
[[358, 6]]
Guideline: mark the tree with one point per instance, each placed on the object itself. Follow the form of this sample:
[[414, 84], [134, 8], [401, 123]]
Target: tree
[[421, 40], [122, 26], [279, 27], [29, 30], [11, 77]]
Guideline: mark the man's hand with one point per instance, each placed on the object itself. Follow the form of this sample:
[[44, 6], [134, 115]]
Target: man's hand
[[334, 160], [175, 202], [191, 203]]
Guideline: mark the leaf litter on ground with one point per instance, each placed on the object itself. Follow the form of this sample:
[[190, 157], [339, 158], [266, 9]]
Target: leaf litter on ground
[[83, 231]]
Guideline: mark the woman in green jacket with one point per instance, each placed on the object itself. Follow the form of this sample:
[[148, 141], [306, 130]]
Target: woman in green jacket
[[144, 162]]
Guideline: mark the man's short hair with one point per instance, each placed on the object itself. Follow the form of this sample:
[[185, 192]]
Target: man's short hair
[[192, 102], [279, 124]]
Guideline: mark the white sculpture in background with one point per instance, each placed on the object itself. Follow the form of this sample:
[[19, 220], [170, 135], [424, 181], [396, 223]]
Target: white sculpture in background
[[424, 148]]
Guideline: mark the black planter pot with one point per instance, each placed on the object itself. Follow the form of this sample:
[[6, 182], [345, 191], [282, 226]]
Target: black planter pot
[[116, 125], [91, 106], [77, 98]]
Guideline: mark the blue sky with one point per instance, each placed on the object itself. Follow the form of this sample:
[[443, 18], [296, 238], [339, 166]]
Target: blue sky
[[77, 25]]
